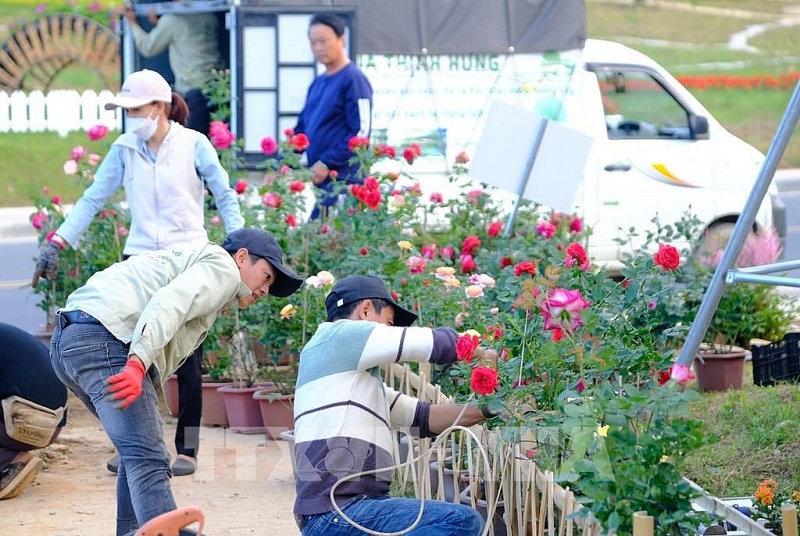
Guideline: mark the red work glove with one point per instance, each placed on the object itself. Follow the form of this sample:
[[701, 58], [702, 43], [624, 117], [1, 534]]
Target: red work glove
[[127, 385]]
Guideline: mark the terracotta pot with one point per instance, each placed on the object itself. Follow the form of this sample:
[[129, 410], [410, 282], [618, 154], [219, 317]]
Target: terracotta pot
[[214, 413], [171, 395], [720, 371], [244, 415], [277, 411]]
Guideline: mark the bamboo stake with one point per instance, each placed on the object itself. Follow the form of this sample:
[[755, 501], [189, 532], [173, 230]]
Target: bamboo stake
[[789, 519], [643, 524]]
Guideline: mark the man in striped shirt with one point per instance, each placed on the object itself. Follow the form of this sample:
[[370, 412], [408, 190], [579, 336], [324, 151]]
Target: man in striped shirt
[[346, 417], [338, 107]]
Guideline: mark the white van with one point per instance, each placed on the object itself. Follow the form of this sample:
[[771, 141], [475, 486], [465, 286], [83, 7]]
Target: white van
[[655, 151]]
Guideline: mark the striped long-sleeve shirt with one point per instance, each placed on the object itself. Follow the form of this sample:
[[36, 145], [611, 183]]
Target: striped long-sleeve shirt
[[345, 416]]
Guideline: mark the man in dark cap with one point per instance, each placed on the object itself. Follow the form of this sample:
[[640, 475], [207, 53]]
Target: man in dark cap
[[346, 417], [132, 325]]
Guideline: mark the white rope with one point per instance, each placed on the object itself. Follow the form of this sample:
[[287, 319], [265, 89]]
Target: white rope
[[442, 437]]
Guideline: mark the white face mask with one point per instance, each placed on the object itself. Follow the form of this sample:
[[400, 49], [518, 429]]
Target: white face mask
[[143, 127]]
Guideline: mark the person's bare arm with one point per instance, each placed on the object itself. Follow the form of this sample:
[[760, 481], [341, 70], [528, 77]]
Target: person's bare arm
[[443, 416]]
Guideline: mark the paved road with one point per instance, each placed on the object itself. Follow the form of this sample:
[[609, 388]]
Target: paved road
[[18, 305]]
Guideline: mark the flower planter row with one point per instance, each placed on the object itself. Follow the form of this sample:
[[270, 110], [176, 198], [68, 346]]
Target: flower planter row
[[248, 410]]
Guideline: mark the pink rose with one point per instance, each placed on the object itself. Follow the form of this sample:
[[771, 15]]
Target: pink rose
[[272, 199], [94, 159], [221, 137], [416, 264], [681, 373], [215, 221], [122, 231], [97, 132], [546, 229], [70, 167], [77, 152], [269, 145], [561, 309]]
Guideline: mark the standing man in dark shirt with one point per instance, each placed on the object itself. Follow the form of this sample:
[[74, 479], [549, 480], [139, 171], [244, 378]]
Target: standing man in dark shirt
[[338, 106], [32, 407]]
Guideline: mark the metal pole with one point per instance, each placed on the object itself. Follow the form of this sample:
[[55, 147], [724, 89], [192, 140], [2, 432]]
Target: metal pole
[[708, 305], [526, 173]]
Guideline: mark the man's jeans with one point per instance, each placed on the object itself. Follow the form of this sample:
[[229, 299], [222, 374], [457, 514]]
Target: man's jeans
[[389, 514], [84, 356]]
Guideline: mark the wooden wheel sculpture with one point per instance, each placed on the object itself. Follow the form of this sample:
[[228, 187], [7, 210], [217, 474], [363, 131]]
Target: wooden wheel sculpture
[[37, 51]]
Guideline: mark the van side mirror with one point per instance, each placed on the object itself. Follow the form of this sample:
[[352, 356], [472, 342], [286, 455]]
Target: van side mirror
[[698, 126]]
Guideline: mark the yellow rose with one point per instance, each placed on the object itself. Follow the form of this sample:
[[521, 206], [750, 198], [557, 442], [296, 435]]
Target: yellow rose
[[473, 333], [452, 282], [445, 272], [288, 311], [404, 244], [602, 431], [474, 291]]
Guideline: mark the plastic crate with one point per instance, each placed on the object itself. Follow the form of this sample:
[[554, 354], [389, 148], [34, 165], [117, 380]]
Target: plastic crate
[[777, 361]]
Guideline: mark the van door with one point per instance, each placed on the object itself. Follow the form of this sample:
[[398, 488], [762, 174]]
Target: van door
[[656, 159]]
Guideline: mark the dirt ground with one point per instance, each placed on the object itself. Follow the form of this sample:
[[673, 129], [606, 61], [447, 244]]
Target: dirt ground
[[243, 484]]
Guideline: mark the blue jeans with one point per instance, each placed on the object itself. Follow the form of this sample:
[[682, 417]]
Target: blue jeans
[[83, 357], [390, 514]]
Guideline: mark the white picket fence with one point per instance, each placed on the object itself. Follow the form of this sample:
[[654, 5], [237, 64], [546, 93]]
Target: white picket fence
[[61, 111]]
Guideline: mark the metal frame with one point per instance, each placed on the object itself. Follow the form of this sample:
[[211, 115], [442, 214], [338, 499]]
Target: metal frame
[[725, 272]]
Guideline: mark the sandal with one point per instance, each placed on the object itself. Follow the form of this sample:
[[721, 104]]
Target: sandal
[[16, 477]]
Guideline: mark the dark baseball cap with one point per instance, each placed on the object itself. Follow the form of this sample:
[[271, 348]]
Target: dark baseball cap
[[355, 288], [263, 244]]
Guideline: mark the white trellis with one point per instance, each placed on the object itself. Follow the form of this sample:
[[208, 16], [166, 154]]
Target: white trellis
[[61, 111]]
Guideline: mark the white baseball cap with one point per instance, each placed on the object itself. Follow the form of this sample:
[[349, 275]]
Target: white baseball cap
[[140, 88]]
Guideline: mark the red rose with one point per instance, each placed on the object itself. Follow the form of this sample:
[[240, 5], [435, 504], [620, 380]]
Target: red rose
[[436, 197], [240, 187], [494, 228], [576, 226], [299, 142], [558, 334], [576, 256], [409, 155], [291, 220], [288, 132], [505, 261], [581, 387], [667, 257], [468, 264], [297, 186], [333, 174], [325, 229], [416, 148], [466, 346], [364, 251], [357, 142], [484, 380], [470, 244], [462, 157], [525, 267]]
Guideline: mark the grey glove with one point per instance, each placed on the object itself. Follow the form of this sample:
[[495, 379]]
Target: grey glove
[[47, 265]]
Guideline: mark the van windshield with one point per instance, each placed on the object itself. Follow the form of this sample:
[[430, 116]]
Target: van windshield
[[636, 105]]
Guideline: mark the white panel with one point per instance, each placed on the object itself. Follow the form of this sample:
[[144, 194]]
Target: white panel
[[258, 57], [294, 82], [259, 118], [283, 123], [293, 39]]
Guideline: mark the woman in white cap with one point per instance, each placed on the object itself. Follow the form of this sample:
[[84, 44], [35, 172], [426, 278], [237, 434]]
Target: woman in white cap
[[165, 169]]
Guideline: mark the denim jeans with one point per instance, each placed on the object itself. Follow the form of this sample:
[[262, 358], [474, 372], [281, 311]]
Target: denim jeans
[[84, 356], [390, 514]]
